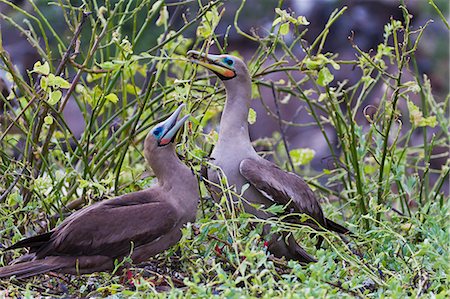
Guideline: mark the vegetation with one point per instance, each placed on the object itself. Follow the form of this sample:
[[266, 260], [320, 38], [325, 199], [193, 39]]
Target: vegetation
[[388, 194]]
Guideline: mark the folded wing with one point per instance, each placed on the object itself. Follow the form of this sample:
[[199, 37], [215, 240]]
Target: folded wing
[[286, 188]]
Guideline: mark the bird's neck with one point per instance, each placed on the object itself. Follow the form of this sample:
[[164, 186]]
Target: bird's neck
[[234, 120], [178, 184], [169, 170]]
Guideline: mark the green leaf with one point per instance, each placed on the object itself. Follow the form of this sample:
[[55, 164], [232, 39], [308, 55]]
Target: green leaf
[[62, 83], [312, 64], [91, 77], [301, 20], [319, 61], [244, 188], [109, 65], [57, 81], [276, 21], [126, 46], [416, 117], [367, 80], [255, 91], [54, 97], [325, 77], [370, 167], [429, 121], [412, 86], [133, 89], [51, 80], [209, 23], [112, 98], [156, 6], [383, 50], [284, 28], [251, 116], [302, 156], [48, 120], [194, 120], [322, 97], [40, 68], [43, 83], [275, 209], [163, 16], [334, 64], [288, 18]]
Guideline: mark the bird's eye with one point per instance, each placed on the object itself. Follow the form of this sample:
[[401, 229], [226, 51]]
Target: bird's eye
[[158, 131], [228, 61]]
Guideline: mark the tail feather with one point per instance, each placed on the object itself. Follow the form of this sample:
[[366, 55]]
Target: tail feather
[[64, 264], [31, 268], [32, 242], [333, 226], [303, 256], [300, 254]]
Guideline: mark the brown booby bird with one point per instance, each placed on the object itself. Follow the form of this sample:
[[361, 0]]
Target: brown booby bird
[[141, 223], [236, 157]]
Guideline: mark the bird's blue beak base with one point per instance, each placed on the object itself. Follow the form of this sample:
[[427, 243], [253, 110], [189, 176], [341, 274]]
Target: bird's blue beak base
[[213, 63], [171, 126]]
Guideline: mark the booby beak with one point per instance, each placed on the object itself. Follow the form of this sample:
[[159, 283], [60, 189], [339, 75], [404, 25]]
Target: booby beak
[[212, 62], [170, 127]]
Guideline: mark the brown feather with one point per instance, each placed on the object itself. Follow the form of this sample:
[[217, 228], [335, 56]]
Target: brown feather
[[142, 223], [287, 188]]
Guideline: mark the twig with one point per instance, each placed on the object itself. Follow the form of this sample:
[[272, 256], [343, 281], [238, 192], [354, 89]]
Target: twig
[[280, 124], [13, 184], [73, 42], [38, 124], [87, 70], [152, 69]]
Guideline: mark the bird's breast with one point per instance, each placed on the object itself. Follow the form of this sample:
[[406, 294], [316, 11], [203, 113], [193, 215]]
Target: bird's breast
[[229, 168]]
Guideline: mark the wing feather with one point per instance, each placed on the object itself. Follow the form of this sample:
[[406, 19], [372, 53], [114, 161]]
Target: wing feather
[[282, 187], [109, 227]]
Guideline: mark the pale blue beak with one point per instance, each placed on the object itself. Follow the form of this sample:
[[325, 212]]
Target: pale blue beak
[[171, 126], [213, 63]]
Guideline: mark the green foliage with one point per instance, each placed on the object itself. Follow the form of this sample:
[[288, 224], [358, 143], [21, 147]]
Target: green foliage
[[389, 195], [251, 116], [302, 156]]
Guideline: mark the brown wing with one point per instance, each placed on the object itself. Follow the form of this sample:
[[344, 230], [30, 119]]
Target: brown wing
[[109, 227], [33, 242], [282, 187]]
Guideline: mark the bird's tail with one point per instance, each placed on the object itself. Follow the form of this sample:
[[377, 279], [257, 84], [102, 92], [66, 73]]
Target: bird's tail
[[30, 268], [333, 226], [303, 257], [299, 253]]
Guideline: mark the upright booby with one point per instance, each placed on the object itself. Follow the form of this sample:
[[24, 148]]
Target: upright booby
[[236, 157], [142, 223]]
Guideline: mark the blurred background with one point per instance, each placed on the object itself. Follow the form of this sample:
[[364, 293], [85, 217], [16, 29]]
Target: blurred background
[[364, 20]]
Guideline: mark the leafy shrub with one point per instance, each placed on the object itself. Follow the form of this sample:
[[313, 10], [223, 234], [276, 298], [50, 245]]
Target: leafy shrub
[[389, 195]]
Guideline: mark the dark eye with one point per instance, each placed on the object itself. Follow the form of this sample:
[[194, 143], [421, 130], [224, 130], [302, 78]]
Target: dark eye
[[228, 61], [158, 131]]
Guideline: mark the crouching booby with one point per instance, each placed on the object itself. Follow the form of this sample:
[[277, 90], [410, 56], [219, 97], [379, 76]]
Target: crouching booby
[[236, 157], [142, 223]]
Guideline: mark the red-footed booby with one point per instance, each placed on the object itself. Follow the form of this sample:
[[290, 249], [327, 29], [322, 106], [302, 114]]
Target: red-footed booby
[[236, 157], [142, 223]]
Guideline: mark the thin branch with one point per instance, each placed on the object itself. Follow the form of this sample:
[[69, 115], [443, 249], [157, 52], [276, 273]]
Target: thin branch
[[13, 184], [38, 124], [280, 124]]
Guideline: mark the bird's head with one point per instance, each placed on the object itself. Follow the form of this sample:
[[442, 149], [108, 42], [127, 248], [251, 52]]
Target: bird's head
[[226, 67], [164, 132]]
